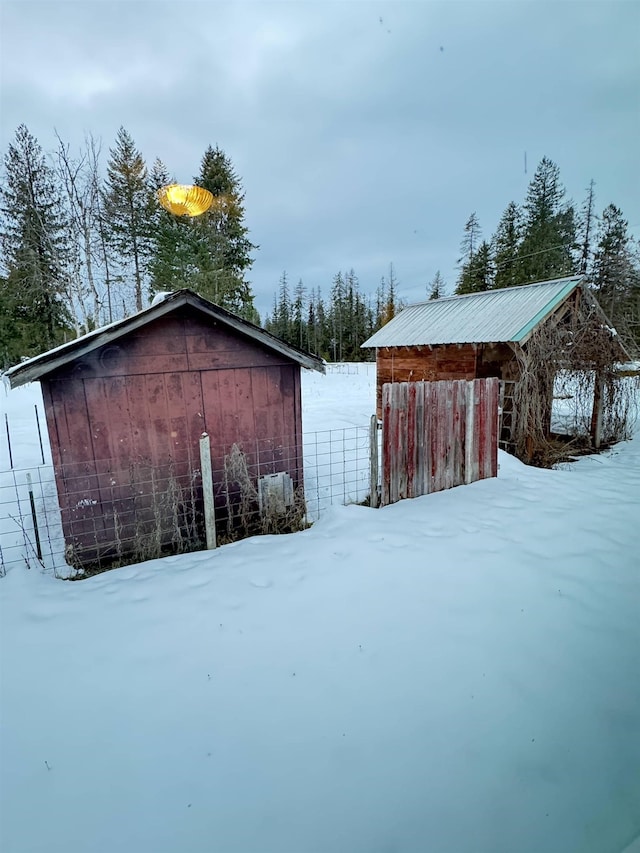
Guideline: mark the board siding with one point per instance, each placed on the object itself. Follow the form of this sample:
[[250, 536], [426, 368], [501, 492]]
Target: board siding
[[442, 362], [437, 435], [125, 423]]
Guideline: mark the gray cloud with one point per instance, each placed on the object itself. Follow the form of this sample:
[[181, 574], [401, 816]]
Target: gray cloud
[[356, 146]]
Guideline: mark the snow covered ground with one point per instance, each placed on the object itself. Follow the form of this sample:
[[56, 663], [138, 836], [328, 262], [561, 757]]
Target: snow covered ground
[[455, 674]]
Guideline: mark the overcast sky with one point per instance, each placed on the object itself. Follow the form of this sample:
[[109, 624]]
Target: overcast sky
[[364, 133]]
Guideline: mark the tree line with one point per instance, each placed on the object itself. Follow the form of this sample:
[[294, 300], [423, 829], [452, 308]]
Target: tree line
[[547, 237], [544, 238], [335, 327], [81, 246]]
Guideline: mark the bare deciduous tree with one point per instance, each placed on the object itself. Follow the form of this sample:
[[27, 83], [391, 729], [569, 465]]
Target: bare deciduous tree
[[572, 358], [89, 279]]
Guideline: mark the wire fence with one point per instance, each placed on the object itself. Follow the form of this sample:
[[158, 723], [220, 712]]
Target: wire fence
[[350, 368], [99, 513]]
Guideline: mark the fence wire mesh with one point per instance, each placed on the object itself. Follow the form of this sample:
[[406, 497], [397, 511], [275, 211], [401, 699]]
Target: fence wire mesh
[[101, 514]]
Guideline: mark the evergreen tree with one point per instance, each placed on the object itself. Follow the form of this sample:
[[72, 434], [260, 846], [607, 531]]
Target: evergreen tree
[[506, 242], [336, 315], [349, 311], [616, 275], [288, 319], [270, 322], [380, 304], [359, 322], [223, 248], [477, 275], [468, 250], [334, 331], [370, 324], [298, 314], [548, 243], [387, 303], [174, 244], [284, 309], [127, 210], [281, 321], [483, 268], [10, 329], [436, 289], [390, 307], [322, 332], [251, 314], [587, 228], [312, 325], [35, 253], [471, 239]]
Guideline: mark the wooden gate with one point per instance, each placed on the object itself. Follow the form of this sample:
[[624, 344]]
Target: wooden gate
[[436, 435]]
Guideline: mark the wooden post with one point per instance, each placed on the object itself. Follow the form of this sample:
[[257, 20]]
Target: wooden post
[[207, 490], [387, 445], [470, 450], [373, 461], [596, 415]]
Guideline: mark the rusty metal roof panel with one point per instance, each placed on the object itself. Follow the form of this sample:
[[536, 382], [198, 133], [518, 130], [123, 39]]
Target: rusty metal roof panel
[[509, 314]]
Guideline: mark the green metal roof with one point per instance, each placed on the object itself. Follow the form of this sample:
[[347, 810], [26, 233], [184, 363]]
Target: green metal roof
[[506, 315]]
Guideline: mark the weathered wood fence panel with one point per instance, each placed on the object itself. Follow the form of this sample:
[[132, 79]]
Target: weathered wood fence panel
[[436, 435]]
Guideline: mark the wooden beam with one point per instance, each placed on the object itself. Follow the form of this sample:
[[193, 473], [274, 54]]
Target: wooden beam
[[207, 490], [373, 461], [597, 412]]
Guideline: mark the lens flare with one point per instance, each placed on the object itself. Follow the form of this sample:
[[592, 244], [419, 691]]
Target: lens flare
[[185, 200]]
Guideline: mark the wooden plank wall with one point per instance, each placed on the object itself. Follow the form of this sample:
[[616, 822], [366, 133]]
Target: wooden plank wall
[[443, 361], [125, 423], [423, 364], [436, 435]]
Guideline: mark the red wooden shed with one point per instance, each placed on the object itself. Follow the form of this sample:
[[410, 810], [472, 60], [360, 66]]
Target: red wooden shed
[[127, 405], [527, 337]]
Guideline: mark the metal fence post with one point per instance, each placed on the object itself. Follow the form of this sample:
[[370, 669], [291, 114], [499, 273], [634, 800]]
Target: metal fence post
[[34, 517], [39, 434], [6, 421]]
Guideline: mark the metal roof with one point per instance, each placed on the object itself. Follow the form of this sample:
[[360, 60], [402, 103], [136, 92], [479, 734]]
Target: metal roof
[[509, 314], [41, 365]]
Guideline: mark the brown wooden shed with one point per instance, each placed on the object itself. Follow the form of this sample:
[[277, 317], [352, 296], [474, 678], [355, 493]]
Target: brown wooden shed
[[496, 333], [127, 405]]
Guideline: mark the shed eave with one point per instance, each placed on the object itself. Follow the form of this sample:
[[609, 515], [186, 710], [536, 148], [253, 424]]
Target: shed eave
[[422, 342], [523, 335], [41, 365]]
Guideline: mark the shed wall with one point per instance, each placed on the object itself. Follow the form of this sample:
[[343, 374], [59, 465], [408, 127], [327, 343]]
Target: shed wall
[[125, 424], [440, 362]]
